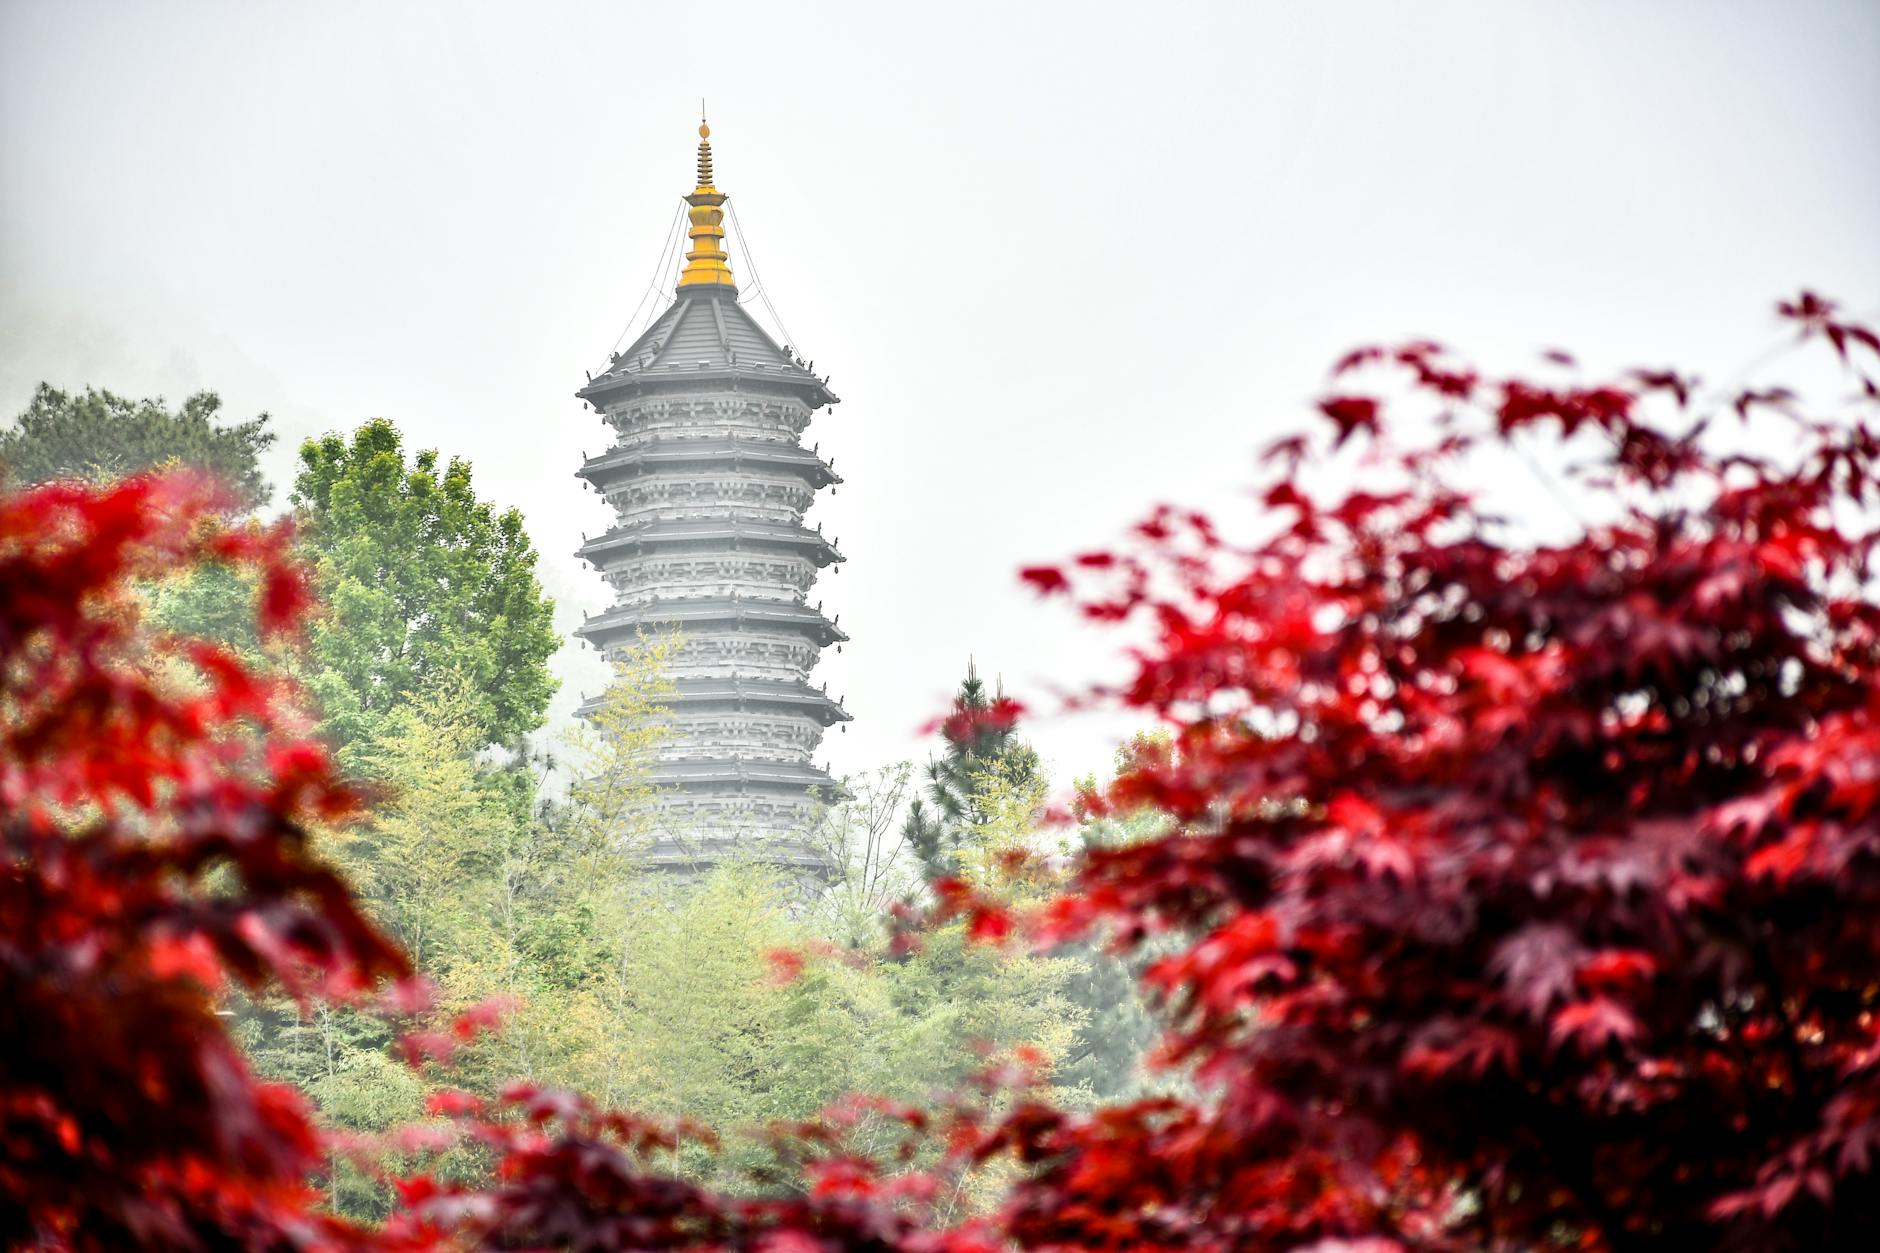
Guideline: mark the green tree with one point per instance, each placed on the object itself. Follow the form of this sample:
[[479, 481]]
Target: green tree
[[646, 991], [552, 919], [98, 435], [610, 754], [970, 995], [425, 858], [981, 741], [984, 795], [496, 893], [420, 578], [339, 1057], [216, 604], [422, 864], [864, 842], [1119, 1027], [717, 1023]]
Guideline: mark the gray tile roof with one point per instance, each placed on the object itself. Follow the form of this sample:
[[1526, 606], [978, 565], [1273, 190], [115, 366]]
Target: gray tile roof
[[704, 335]]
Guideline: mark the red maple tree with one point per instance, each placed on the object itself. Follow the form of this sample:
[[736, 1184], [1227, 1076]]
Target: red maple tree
[[154, 796], [1532, 886]]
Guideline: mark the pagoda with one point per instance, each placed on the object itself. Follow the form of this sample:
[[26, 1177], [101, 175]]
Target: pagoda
[[709, 482]]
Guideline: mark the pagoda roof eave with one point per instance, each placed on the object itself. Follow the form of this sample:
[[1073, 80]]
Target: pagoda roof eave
[[737, 613], [648, 457], [712, 536], [714, 772], [678, 379], [697, 855], [745, 694]]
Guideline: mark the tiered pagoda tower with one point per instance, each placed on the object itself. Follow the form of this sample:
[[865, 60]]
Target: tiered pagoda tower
[[709, 482]]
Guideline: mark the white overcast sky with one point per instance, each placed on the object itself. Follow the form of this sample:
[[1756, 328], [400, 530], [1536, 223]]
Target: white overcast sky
[[1063, 261]]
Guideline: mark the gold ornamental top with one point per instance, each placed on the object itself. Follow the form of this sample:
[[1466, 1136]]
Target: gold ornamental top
[[705, 263]]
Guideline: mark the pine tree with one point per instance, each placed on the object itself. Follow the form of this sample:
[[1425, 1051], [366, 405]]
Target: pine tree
[[981, 737], [98, 436]]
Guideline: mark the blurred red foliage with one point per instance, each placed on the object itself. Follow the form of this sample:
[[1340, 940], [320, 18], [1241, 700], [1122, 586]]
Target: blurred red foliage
[[1533, 887], [154, 793]]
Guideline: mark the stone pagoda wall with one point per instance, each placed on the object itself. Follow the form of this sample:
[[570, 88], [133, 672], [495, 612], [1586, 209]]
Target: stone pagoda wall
[[719, 415], [746, 743]]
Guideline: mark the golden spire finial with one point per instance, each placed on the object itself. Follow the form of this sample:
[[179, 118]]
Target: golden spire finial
[[705, 264]]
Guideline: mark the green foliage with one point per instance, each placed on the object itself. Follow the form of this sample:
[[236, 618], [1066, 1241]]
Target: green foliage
[[703, 1015], [715, 1027], [1119, 1026], [1106, 1057], [980, 993], [939, 828], [497, 896], [988, 790], [338, 1056], [862, 840], [424, 865], [552, 915], [611, 752], [424, 860], [211, 603], [956, 1001], [99, 435], [420, 579], [647, 992], [1080, 1004]]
